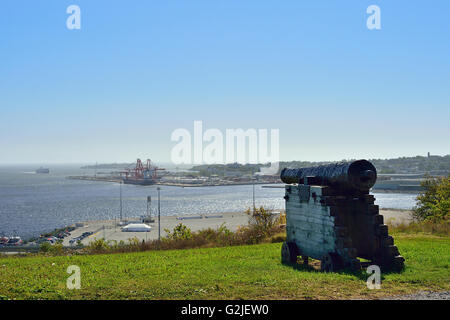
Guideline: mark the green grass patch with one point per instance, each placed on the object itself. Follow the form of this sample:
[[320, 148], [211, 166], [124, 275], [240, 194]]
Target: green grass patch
[[248, 272]]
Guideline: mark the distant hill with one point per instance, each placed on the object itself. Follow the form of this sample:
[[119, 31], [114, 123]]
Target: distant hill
[[109, 166], [439, 165], [417, 164], [404, 165]]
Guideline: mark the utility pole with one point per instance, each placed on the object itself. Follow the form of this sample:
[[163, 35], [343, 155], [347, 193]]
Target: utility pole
[[254, 206], [253, 194], [159, 214], [120, 200], [149, 209]]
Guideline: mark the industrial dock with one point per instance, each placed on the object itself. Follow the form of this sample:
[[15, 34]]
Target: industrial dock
[[147, 174], [175, 183]]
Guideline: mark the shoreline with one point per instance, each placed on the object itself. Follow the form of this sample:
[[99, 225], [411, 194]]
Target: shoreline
[[395, 191], [222, 184], [172, 184]]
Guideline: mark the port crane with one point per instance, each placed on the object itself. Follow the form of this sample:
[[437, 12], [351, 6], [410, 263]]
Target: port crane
[[141, 171]]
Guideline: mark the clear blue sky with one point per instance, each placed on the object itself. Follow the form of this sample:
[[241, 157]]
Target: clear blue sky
[[116, 89]]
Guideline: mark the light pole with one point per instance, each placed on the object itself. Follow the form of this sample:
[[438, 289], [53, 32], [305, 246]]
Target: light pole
[[254, 206], [120, 187], [149, 209], [159, 214]]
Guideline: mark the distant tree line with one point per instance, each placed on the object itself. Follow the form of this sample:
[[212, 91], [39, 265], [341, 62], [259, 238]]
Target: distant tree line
[[418, 164]]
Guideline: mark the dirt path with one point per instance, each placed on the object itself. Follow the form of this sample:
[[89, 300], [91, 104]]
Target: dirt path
[[422, 295]]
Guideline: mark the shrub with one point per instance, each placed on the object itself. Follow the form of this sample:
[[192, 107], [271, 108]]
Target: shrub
[[281, 220], [261, 219], [441, 228], [281, 237], [134, 242], [45, 247], [98, 245], [434, 203], [220, 236], [180, 232], [57, 248]]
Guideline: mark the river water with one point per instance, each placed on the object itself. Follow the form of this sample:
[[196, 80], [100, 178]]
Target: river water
[[34, 203]]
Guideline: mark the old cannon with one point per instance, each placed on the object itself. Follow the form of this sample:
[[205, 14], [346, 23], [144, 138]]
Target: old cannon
[[330, 216]]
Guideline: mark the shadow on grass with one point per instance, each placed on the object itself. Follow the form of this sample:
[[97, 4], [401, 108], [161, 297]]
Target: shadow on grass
[[360, 274]]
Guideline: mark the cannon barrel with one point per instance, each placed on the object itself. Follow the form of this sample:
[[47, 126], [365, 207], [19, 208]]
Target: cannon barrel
[[358, 175]]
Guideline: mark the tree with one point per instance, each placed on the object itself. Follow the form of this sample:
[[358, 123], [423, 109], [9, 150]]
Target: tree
[[434, 203]]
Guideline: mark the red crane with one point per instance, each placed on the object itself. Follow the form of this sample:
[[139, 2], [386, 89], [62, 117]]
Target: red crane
[[142, 172]]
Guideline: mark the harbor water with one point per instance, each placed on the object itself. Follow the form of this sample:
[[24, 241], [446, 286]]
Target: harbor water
[[31, 203]]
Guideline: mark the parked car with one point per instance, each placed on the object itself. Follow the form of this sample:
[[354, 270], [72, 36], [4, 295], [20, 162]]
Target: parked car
[[14, 241]]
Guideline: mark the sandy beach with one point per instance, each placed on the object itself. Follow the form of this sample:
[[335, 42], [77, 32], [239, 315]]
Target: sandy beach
[[396, 216]]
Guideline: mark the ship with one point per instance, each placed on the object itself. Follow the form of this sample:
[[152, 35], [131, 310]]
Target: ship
[[143, 175], [140, 182], [43, 170]]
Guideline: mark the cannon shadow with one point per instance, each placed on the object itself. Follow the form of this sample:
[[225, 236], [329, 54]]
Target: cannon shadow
[[360, 274]]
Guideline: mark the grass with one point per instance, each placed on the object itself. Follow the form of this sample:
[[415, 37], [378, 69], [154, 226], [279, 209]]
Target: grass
[[247, 272], [426, 227]]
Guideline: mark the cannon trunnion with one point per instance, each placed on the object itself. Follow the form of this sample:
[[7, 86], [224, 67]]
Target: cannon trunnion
[[336, 222]]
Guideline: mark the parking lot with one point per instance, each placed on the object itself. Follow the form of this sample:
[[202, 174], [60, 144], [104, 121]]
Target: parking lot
[[111, 230]]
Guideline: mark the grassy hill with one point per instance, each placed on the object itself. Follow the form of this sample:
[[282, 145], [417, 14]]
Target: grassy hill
[[249, 272]]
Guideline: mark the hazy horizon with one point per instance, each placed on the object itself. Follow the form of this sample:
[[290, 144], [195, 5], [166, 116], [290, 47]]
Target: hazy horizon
[[87, 163]]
